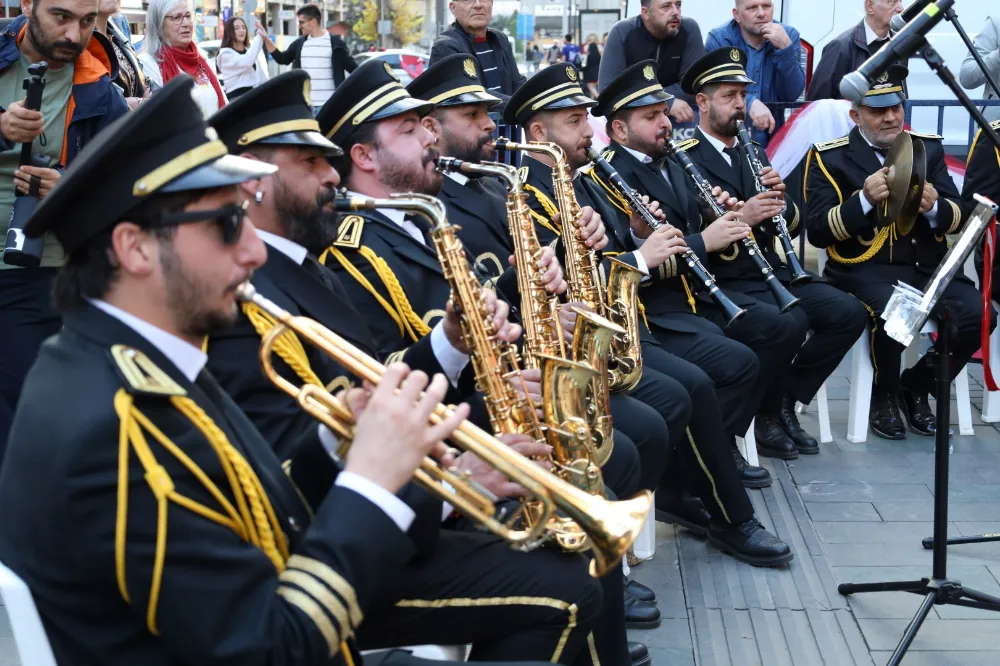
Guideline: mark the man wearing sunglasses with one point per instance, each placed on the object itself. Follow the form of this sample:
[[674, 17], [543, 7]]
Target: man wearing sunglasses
[[523, 599], [189, 542]]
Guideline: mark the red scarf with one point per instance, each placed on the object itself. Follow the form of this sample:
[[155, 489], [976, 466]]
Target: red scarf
[[174, 60]]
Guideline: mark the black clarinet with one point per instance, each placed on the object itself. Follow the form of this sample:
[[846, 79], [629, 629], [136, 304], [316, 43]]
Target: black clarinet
[[799, 274], [730, 310], [782, 297]]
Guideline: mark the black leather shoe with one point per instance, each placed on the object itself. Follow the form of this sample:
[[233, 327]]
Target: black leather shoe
[[640, 614], [752, 477], [639, 654], [917, 410], [884, 419], [804, 442], [639, 591], [749, 542], [772, 442], [685, 510]]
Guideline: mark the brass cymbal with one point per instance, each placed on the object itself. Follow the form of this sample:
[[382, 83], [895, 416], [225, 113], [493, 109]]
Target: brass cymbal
[[907, 162]]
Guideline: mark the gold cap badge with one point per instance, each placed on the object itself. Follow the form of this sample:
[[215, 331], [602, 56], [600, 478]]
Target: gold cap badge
[[470, 68], [571, 72], [307, 92], [883, 78], [648, 72], [390, 72], [735, 55]]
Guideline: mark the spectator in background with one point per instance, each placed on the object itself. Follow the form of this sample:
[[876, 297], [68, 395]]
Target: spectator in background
[[169, 49], [592, 66], [121, 22], [531, 58], [552, 55], [987, 43], [659, 33], [849, 50], [570, 52], [238, 60], [323, 54], [773, 60], [339, 28], [471, 34], [129, 77]]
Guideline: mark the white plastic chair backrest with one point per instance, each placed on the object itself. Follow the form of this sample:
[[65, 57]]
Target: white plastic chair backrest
[[820, 260], [29, 635]]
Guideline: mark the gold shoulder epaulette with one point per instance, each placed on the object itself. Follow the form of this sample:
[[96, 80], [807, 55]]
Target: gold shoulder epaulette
[[608, 155], [141, 376], [522, 174], [995, 124], [920, 135], [688, 144], [836, 143], [349, 234]]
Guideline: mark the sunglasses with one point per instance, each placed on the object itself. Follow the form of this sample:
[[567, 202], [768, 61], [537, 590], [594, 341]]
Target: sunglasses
[[229, 218]]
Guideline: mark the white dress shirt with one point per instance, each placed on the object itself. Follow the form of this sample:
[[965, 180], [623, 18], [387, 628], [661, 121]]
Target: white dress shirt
[[870, 35], [719, 146], [867, 206], [191, 360], [459, 178]]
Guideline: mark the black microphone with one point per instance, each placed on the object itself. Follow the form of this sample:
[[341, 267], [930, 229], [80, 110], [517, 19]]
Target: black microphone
[[903, 45], [907, 15]]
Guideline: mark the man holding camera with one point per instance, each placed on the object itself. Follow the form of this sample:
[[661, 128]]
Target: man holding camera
[[78, 100]]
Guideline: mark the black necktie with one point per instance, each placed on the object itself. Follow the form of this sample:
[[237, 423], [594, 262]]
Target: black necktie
[[424, 226], [476, 185], [874, 47], [734, 158], [881, 151]]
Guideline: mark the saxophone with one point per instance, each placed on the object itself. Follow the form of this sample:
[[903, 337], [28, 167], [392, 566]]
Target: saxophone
[[619, 304], [564, 383]]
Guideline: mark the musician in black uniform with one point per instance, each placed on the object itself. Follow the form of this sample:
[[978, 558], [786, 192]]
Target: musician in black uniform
[[845, 180], [982, 176], [390, 268], [835, 319], [552, 107], [189, 543], [638, 124]]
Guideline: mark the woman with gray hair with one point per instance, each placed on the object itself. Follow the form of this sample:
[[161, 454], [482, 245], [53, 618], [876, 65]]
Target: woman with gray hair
[[169, 49]]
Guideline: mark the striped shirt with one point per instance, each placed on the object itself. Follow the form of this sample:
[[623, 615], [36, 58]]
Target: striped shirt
[[488, 62], [317, 59]]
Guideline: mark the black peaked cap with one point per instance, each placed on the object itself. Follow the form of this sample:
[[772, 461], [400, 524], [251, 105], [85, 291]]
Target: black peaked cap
[[636, 86], [454, 80], [723, 65], [555, 87]]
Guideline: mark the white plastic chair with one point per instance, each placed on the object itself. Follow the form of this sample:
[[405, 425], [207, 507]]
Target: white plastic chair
[[432, 652], [32, 643], [644, 547], [823, 412], [991, 399], [747, 444]]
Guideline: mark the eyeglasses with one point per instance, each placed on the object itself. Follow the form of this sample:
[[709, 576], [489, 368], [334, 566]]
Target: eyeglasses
[[470, 3], [229, 218], [178, 19]]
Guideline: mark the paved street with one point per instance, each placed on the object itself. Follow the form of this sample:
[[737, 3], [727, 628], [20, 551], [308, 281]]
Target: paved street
[[856, 512]]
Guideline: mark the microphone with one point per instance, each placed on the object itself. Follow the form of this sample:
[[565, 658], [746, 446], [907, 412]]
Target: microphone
[[907, 15], [903, 45]]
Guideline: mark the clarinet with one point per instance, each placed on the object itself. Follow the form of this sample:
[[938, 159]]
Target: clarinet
[[730, 310], [782, 297], [799, 274]]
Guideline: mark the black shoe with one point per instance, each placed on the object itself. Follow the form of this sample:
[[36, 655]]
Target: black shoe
[[749, 542], [917, 410], [686, 511], [640, 614], [884, 419], [772, 442], [639, 654], [639, 591], [804, 442], [752, 477]]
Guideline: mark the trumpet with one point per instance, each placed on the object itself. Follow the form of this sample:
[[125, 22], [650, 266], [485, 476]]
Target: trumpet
[[799, 274], [611, 527]]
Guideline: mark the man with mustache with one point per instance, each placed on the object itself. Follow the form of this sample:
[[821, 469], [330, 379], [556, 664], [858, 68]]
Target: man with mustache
[[845, 182], [274, 124], [659, 33], [552, 107], [78, 101], [719, 81], [388, 265]]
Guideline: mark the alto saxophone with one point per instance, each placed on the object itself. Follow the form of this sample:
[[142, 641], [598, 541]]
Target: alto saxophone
[[564, 383], [619, 361]]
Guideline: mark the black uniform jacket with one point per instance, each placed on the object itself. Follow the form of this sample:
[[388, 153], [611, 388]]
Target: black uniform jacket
[[859, 249], [72, 481], [734, 265], [982, 176], [481, 218], [671, 289]]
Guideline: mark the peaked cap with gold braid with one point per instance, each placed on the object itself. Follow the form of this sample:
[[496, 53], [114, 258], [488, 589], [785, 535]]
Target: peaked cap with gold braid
[[451, 81], [724, 65], [635, 87], [559, 86]]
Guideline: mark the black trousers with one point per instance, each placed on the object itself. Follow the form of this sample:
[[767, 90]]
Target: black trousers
[[730, 365], [774, 337], [27, 318], [835, 319], [642, 428], [700, 458], [966, 311], [511, 606]]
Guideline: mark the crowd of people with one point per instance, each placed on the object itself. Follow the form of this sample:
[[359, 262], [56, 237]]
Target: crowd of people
[[340, 217]]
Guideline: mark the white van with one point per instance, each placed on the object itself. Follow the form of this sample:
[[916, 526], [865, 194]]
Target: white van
[[821, 21]]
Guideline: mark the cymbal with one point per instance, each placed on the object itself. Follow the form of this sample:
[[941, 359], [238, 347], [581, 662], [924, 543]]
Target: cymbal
[[907, 162]]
